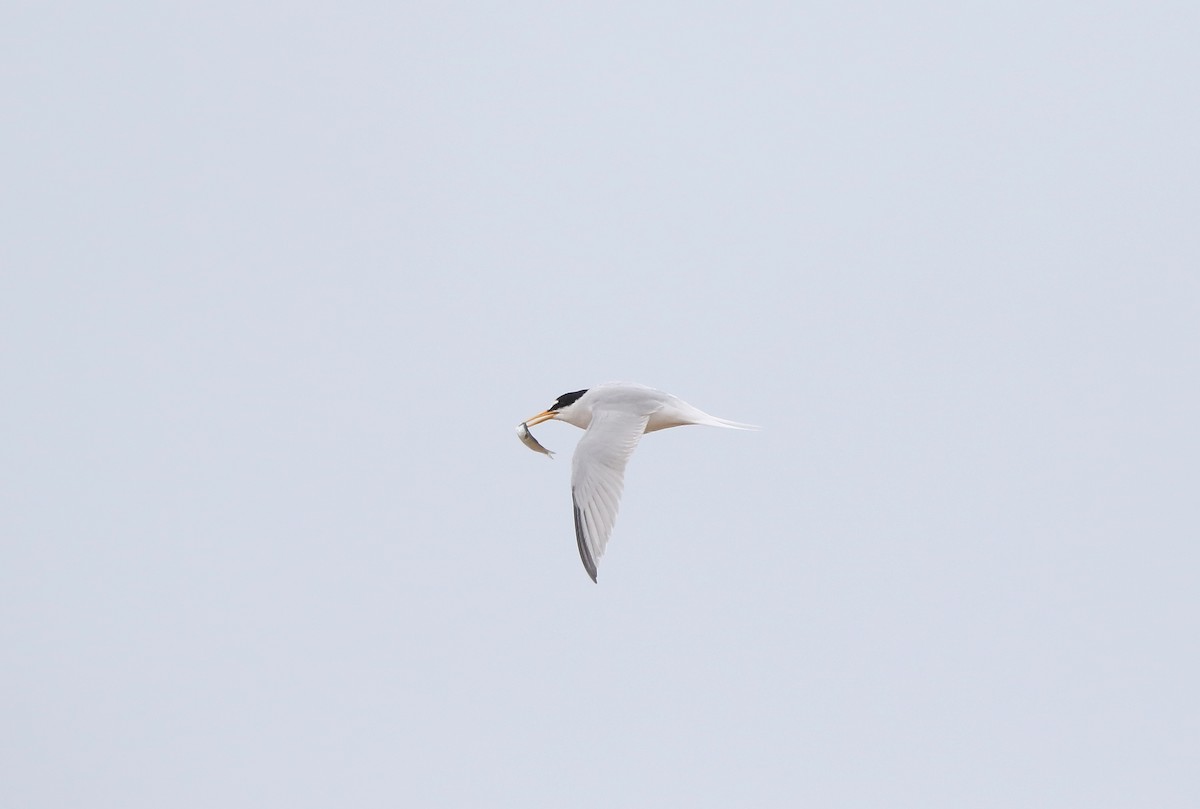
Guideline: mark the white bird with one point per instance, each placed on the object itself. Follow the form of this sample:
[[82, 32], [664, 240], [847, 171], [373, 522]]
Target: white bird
[[615, 415]]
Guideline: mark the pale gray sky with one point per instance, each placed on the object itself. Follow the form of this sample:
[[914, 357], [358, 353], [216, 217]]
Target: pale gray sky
[[279, 279]]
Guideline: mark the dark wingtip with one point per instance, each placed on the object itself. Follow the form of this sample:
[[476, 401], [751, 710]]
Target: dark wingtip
[[589, 564]]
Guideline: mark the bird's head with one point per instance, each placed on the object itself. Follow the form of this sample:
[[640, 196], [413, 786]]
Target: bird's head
[[565, 408]]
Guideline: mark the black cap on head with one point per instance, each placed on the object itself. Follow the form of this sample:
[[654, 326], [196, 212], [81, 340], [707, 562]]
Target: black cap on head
[[566, 399]]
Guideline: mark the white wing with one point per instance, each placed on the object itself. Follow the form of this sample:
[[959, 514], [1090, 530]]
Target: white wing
[[597, 477]]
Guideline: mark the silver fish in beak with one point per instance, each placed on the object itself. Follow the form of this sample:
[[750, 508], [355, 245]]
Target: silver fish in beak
[[528, 440]]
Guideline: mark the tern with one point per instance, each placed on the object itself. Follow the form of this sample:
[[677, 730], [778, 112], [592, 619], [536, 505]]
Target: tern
[[614, 415]]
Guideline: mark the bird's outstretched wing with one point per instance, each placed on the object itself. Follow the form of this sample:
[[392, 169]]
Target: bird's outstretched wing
[[597, 477]]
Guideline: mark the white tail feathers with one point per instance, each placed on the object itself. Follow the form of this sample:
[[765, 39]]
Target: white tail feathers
[[733, 425]]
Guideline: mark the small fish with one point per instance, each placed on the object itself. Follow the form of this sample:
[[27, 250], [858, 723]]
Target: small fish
[[528, 440]]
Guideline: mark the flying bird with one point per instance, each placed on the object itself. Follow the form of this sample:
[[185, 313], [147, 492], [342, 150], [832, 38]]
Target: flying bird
[[614, 415]]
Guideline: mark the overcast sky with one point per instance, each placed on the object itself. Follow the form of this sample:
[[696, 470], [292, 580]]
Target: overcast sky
[[278, 280]]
